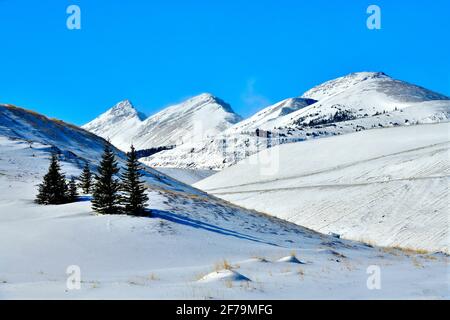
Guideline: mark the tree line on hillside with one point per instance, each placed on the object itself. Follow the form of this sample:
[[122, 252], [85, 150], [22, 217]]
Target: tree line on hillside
[[151, 151], [110, 195]]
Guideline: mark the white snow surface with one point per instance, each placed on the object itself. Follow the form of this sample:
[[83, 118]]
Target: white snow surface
[[188, 176], [188, 235], [267, 116], [119, 124], [379, 81], [362, 95], [193, 120], [384, 186], [356, 102]]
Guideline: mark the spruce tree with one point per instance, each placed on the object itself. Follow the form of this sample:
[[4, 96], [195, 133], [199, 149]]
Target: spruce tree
[[53, 189], [86, 179], [134, 198], [105, 198], [72, 194]]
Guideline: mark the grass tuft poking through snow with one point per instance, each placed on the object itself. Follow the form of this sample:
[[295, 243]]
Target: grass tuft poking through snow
[[290, 259], [223, 265]]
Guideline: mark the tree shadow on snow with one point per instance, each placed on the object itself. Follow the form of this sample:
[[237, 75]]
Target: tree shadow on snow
[[169, 216], [84, 198]]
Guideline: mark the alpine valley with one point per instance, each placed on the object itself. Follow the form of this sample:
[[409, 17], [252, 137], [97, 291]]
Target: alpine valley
[[299, 201]]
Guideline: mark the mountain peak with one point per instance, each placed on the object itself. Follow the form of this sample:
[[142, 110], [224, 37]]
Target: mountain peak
[[115, 122], [200, 99], [340, 84], [194, 119], [375, 82], [205, 96], [124, 104], [365, 75], [124, 109], [207, 99]]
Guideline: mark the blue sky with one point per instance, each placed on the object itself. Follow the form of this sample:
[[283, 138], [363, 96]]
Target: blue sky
[[249, 53]]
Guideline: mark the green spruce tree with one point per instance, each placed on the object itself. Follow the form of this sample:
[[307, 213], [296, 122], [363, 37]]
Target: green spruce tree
[[134, 193], [105, 198], [53, 189], [72, 194], [86, 179]]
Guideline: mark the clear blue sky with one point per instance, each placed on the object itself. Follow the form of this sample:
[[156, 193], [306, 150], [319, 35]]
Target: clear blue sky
[[249, 53]]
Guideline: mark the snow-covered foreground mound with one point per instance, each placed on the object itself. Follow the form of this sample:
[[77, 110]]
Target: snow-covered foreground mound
[[385, 186], [185, 242]]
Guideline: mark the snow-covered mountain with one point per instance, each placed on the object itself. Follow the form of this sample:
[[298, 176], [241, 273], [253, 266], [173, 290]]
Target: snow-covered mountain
[[194, 120], [265, 117], [358, 96], [385, 186], [356, 102], [195, 246], [393, 89], [117, 124]]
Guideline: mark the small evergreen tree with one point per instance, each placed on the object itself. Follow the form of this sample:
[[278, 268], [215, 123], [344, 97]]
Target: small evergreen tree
[[72, 193], [105, 198], [86, 179], [134, 198], [53, 189]]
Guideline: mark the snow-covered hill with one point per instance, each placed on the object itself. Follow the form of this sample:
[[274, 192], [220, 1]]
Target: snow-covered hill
[[75, 144], [385, 186], [376, 81], [26, 125], [356, 96], [180, 251], [119, 124], [194, 120], [356, 102], [187, 176], [265, 117]]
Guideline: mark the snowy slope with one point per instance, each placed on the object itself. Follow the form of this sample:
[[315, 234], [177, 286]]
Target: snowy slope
[[196, 119], [75, 145], [179, 252], [265, 117], [188, 176], [385, 186], [376, 81], [227, 149], [360, 95], [356, 102]]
